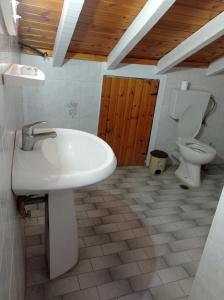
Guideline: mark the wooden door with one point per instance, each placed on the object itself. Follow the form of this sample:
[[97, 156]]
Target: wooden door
[[126, 116]]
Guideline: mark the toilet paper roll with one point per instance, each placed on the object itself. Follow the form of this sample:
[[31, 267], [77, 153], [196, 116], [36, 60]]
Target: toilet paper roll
[[184, 85]]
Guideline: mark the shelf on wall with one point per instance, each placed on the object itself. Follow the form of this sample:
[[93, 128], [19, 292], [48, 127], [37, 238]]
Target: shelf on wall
[[23, 75]]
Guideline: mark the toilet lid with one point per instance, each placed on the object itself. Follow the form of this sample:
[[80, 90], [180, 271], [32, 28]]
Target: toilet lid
[[190, 122]]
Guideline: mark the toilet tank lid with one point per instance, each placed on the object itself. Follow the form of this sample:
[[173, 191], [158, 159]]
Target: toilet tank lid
[[190, 122]]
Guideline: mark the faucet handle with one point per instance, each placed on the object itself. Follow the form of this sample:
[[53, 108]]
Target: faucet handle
[[27, 128]]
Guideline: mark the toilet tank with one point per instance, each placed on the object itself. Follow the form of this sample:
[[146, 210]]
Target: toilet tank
[[182, 99]]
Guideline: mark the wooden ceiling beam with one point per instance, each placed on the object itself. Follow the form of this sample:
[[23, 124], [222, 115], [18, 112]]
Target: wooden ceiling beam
[[69, 17], [210, 32], [216, 67], [142, 24]]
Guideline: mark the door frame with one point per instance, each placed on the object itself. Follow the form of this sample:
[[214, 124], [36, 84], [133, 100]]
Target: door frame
[[142, 72]]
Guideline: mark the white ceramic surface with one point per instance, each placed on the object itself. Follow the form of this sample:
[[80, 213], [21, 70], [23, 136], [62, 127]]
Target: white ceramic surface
[[73, 159], [23, 75], [61, 219], [190, 122], [193, 153]]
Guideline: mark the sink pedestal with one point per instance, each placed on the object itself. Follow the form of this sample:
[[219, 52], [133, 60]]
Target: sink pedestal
[[62, 236]]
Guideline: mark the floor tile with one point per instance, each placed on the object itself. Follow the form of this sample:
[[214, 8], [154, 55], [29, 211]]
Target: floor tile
[[36, 250], [107, 261], [92, 279], [83, 266], [97, 213], [36, 263], [32, 240], [172, 274], [125, 271], [86, 294], [122, 235], [133, 255], [114, 247], [114, 289], [178, 258], [96, 240], [90, 252], [144, 281], [191, 267], [152, 265], [168, 291], [174, 226], [144, 295], [191, 232], [186, 285], [150, 240], [35, 293], [157, 250], [36, 276], [59, 287], [188, 243]]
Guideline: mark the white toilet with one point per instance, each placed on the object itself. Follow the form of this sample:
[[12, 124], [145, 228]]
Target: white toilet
[[193, 153]]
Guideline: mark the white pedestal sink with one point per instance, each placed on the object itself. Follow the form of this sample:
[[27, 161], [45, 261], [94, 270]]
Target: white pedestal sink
[[55, 167]]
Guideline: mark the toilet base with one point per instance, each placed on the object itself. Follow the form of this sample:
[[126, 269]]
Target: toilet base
[[188, 173]]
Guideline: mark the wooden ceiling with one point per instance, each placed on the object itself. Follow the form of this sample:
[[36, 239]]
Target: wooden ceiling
[[39, 22], [181, 21], [102, 23]]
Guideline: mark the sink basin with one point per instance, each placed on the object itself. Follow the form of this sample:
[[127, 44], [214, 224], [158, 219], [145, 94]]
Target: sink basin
[[55, 167], [73, 159]]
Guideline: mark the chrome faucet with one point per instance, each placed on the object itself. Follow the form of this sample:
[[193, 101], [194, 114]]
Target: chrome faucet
[[29, 138]]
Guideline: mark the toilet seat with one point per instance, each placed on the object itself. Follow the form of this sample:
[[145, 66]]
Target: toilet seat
[[196, 145]]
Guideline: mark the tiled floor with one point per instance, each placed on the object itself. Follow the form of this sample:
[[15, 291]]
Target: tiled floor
[[141, 237]]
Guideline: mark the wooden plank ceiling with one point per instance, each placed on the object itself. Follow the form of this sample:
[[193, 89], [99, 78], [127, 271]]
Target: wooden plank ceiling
[[102, 23], [39, 23]]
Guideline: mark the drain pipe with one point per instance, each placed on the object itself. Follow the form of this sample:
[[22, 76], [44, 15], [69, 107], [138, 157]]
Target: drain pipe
[[21, 207], [22, 201]]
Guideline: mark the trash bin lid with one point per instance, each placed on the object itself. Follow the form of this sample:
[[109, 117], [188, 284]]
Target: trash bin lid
[[159, 153]]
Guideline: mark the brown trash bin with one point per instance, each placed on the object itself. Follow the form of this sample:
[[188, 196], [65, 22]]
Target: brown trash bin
[[157, 162]]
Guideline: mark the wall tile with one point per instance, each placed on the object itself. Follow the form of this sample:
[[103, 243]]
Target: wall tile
[[11, 227], [70, 97]]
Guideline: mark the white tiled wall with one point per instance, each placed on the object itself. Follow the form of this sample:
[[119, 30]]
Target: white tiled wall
[[11, 229], [70, 96], [208, 283]]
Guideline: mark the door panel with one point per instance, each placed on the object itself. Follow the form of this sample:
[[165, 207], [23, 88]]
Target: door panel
[[126, 115]]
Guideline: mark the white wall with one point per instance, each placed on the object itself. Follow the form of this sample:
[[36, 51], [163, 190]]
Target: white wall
[[11, 229], [81, 82], [208, 283], [70, 96]]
